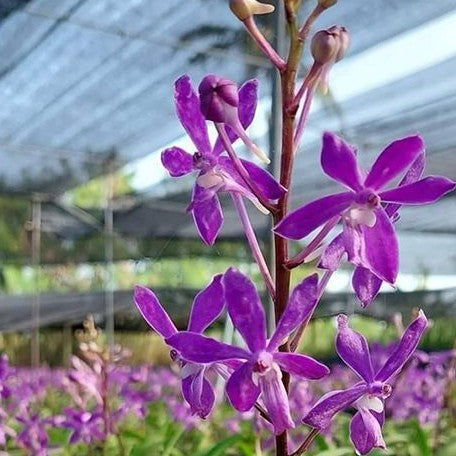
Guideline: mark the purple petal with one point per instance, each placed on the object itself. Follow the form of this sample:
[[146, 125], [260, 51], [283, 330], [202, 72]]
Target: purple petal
[[352, 347], [366, 432], [393, 160], [207, 306], [425, 191], [269, 187], [338, 161], [199, 393], [275, 400], [177, 161], [354, 244], [188, 111], [241, 390], [246, 110], [331, 403], [366, 285], [245, 308], [332, 255], [150, 308], [381, 247], [300, 222], [301, 365], [207, 214], [412, 175], [407, 345], [300, 307], [197, 348]]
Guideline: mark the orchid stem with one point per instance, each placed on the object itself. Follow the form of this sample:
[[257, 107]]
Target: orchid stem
[[282, 274], [307, 441], [311, 76], [305, 29], [241, 170], [313, 244], [262, 412], [263, 43], [323, 282], [253, 243]]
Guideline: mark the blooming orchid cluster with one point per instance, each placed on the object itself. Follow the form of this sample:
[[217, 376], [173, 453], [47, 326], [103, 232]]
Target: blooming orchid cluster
[[257, 371]]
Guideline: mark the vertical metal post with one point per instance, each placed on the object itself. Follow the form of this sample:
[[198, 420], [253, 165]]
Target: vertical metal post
[[67, 344], [36, 260], [275, 130], [109, 257]]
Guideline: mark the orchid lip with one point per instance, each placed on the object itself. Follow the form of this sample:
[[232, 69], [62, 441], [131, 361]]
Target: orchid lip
[[263, 362]]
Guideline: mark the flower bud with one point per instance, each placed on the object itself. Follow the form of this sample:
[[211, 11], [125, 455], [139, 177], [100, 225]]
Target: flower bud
[[327, 3], [243, 9], [344, 40], [217, 96], [324, 46], [219, 101]]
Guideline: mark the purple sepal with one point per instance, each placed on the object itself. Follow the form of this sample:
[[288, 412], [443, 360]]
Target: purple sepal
[[241, 390], [207, 306], [150, 308], [197, 348]]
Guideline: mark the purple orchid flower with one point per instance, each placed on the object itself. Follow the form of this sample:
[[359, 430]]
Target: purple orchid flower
[[365, 283], [367, 396], [87, 427], [207, 306], [216, 173], [33, 435], [259, 373], [368, 234]]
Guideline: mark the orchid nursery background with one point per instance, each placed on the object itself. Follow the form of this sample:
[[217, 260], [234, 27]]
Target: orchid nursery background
[[227, 227]]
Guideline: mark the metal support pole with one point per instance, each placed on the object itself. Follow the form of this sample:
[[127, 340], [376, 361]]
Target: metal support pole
[[36, 260], [109, 258], [275, 130]]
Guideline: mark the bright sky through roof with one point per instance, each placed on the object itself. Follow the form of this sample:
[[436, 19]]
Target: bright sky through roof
[[391, 60]]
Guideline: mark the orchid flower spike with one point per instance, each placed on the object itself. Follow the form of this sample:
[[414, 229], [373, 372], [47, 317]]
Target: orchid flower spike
[[259, 371], [243, 9], [216, 173], [368, 234], [369, 394], [207, 307], [219, 102]]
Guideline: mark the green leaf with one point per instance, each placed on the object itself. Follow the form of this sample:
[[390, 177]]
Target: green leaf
[[421, 439], [219, 449], [321, 443]]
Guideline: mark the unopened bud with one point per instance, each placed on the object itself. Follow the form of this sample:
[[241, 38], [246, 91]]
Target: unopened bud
[[324, 46], [217, 96], [219, 101], [243, 9], [327, 3], [343, 38]]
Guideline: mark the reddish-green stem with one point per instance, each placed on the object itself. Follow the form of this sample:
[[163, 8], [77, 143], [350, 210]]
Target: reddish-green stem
[[307, 441], [282, 274]]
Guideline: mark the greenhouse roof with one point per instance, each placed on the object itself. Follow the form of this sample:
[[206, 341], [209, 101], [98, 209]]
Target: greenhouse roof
[[85, 81], [87, 84]]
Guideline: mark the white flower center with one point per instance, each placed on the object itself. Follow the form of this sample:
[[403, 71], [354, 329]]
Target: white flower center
[[369, 402], [360, 215]]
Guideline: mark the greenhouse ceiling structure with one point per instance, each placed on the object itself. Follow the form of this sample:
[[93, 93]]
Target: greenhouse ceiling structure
[[86, 85]]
